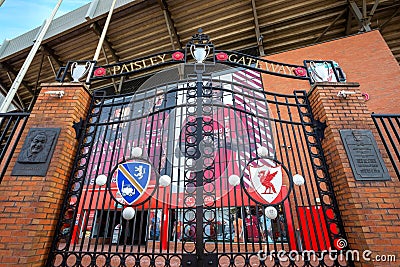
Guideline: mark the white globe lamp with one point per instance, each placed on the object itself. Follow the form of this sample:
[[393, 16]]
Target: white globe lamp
[[137, 152], [165, 180], [128, 213], [101, 180], [271, 212], [234, 180], [262, 152], [298, 179]]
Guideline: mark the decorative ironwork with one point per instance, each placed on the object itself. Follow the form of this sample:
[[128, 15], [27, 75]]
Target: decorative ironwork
[[233, 228], [78, 127], [11, 128], [222, 191], [320, 129], [388, 126], [325, 189]]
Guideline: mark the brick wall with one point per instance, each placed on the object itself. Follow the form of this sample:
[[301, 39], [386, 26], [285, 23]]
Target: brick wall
[[365, 58], [30, 205], [370, 210]]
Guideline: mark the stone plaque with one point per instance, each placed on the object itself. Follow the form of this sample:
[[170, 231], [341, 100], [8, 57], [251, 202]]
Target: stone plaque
[[36, 153], [364, 156]]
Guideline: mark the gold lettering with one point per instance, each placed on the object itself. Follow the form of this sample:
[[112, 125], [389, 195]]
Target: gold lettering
[[282, 69], [230, 59], [162, 57], [290, 69], [137, 64], [266, 66], [153, 61], [258, 66], [274, 67], [144, 63], [241, 60], [116, 68], [132, 68], [250, 61], [124, 68]]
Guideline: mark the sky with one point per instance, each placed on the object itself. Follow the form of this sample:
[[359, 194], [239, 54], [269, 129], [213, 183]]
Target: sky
[[20, 16]]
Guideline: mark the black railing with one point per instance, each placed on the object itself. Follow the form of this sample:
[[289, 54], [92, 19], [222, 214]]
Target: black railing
[[11, 127], [388, 126]]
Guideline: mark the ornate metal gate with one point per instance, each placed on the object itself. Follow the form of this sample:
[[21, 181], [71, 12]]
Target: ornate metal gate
[[209, 170]]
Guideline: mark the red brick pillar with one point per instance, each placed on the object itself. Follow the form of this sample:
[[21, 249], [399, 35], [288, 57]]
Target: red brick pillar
[[370, 210], [30, 205]]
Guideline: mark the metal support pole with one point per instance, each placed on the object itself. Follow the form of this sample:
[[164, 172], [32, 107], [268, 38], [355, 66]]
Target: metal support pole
[[199, 165], [101, 40], [14, 87]]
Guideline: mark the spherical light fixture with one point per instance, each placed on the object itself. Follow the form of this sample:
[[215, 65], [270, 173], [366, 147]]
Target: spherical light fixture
[[165, 180], [234, 180], [298, 179], [101, 180], [137, 152], [128, 213], [262, 152], [271, 212]]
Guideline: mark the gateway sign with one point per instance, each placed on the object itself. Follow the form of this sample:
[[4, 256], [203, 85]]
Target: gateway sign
[[94, 72]]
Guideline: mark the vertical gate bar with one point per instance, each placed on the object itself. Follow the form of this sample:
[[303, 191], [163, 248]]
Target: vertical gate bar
[[297, 211], [175, 148], [199, 174], [160, 167], [251, 139], [18, 137], [285, 153], [338, 221], [8, 122], [389, 134], [384, 141], [310, 175], [314, 221], [65, 201], [153, 146]]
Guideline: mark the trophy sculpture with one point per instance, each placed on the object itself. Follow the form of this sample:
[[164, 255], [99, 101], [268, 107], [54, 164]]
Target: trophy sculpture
[[78, 71]]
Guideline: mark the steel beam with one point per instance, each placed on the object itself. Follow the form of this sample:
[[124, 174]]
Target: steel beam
[[362, 21], [372, 12], [50, 52], [97, 30], [170, 25], [19, 105], [349, 20], [257, 29], [333, 23], [389, 19], [9, 68]]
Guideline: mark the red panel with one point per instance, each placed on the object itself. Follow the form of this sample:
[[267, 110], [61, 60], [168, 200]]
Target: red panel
[[313, 228]]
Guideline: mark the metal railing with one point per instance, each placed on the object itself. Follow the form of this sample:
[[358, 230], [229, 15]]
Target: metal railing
[[11, 128], [388, 126]]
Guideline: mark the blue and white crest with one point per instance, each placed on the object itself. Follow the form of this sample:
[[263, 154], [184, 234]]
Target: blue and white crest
[[132, 180]]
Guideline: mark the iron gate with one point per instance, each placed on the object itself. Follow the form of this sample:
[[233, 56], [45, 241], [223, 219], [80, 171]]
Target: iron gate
[[388, 126], [236, 177]]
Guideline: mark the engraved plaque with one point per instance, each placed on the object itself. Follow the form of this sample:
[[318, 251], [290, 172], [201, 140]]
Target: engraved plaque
[[364, 156], [36, 153]]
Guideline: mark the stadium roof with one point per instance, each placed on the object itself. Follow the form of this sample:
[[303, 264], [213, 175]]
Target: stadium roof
[[143, 27]]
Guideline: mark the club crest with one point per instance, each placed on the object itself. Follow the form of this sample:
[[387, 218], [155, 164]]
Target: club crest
[[267, 181], [132, 180]]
